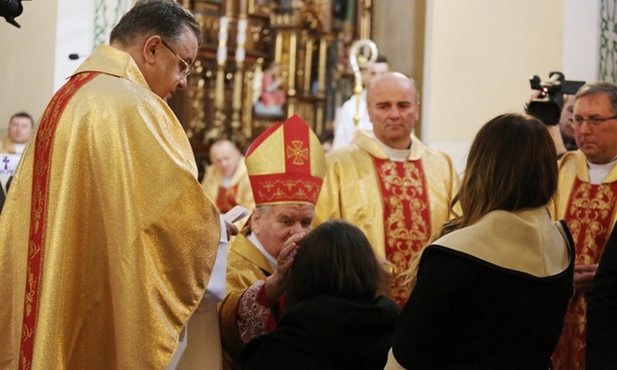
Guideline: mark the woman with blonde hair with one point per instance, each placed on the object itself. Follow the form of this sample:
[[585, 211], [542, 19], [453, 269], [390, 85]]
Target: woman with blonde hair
[[492, 290]]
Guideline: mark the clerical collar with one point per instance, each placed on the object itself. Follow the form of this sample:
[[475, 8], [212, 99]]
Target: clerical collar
[[253, 239], [598, 172], [19, 148], [226, 182], [397, 155]]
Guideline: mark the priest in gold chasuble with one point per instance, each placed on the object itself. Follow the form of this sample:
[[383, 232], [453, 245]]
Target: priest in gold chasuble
[[389, 184], [587, 200], [107, 240]]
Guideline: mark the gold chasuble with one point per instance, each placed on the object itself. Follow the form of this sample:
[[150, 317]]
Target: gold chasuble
[[396, 204], [245, 265], [590, 212], [107, 240]]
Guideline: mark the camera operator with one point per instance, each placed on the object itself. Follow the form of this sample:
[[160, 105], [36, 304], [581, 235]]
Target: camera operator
[[565, 126], [563, 133], [553, 104]]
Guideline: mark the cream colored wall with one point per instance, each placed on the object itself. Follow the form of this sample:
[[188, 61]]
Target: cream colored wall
[[398, 30], [478, 60], [34, 60], [581, 25], [75, 34], [479, 55], [27, 60]]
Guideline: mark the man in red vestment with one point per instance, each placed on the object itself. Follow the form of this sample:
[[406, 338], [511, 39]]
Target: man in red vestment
[[226, 181], [587, 200]]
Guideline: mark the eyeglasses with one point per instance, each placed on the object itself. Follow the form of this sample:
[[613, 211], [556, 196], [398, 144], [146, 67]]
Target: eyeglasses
[[188, 68], [592, 121]]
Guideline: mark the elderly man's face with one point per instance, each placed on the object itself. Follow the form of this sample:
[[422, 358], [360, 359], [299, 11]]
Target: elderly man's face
[[225, 158], [166, 74], [20, 130], [598, 142], [276, 224]]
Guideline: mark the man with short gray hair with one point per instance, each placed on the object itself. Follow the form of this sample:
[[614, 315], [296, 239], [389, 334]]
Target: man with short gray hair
[[587, 201]]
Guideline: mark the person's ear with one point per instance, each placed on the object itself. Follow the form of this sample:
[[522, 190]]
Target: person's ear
[[151, 49], [255, 222]]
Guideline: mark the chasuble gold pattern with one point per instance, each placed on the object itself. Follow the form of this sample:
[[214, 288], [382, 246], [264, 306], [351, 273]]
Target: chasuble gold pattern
[[129, 238]]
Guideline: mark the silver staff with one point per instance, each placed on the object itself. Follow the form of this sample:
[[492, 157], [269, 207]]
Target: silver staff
[[358, 59]]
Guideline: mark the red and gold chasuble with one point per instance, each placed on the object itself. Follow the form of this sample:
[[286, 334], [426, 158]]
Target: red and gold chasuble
[[226, 198], [40, 193], [589, 217], [407, 223]]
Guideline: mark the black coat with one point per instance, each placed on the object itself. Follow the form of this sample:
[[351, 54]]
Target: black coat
[[327, 333], [601, 353]]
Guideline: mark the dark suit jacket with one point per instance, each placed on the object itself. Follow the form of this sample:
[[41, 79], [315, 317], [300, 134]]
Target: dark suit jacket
[[601, 353]]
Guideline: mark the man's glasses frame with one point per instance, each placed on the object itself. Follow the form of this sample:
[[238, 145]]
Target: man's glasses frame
[[592, 121], [188, 68]]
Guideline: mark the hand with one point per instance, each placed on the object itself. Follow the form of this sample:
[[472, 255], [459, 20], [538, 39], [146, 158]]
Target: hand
[[231, 229], [276, 284], [583, 277], [389, 268], [535, 94], [555, 132]]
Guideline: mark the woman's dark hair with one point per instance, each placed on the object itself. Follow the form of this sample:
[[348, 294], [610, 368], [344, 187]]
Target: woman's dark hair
[[512, 166], [336, 259]]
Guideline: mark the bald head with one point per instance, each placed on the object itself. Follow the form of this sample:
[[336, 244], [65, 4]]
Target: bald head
[[393, 107], [225, 157], [394, 78]]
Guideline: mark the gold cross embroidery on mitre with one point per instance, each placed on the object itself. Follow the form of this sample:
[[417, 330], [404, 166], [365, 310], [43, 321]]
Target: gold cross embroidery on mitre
[[297, 152]]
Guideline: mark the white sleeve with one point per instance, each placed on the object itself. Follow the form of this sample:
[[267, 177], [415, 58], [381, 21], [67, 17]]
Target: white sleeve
[[344, 126], [215, 291]]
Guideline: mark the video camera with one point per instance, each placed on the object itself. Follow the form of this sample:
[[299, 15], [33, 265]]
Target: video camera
[[11, 9], [547, 106]]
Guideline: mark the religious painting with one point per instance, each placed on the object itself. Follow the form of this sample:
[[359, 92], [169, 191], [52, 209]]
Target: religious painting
[[270, 92]]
